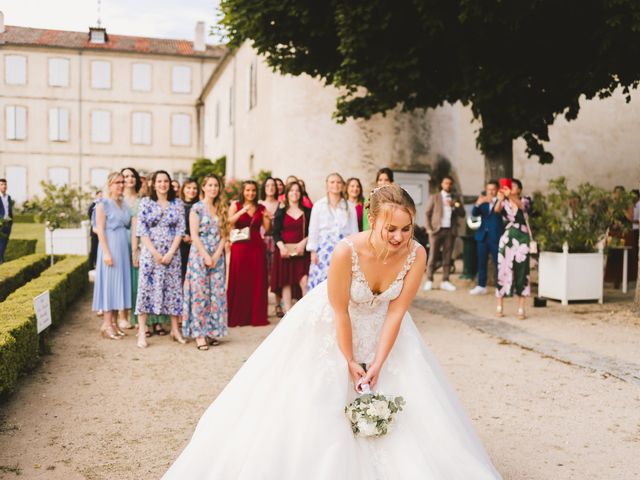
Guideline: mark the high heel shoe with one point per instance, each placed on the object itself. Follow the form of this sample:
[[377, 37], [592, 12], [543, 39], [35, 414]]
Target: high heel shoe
[[109, 334], [142, 341], [176, 337], [499, 311], [521, 314]]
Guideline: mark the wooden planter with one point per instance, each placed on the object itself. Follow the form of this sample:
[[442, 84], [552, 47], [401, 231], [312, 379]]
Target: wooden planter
[[68, 241]]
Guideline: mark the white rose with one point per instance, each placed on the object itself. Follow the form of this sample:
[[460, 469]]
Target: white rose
[[367, 429]]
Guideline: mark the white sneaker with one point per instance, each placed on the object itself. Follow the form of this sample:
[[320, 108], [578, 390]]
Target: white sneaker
[[448, 286], [428, 286], [478, 290]]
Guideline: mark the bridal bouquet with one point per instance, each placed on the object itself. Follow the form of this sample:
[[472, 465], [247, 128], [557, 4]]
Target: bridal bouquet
[[371, 413]]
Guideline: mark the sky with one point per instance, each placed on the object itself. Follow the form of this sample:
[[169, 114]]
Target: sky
[[146, 18]]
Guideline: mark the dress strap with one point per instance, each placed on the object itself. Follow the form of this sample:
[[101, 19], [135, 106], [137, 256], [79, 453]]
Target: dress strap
[[355, 263], [409, 261]]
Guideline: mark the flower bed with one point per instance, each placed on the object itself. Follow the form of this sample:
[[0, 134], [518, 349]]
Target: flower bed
[[16, 273], [66, 281]]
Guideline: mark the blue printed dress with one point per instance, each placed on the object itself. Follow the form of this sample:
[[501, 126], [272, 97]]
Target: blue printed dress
[[112, 288], [159, 286], [204, 309], [327, 227]]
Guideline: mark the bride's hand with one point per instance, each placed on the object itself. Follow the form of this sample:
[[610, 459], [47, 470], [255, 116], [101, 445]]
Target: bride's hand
[[371, 376], [357, 372]]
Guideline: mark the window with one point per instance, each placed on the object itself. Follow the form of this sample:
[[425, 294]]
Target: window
[[17, 182], [15, 70], [99, 177], [252, 86], [217, 124], [141, 128], [231, 105], [58, 72], [59, 176], [100, 126], [141, 77], [181, 129], [59, 124], [181, 79], [180, 177], [16, 123], [100, 74]]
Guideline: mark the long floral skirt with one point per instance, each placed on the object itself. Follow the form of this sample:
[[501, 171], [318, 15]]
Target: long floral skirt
[[513, 264]]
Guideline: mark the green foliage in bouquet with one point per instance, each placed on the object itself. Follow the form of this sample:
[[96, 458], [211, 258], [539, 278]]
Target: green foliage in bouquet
[[579, 216], [62, 206], [371, 414]]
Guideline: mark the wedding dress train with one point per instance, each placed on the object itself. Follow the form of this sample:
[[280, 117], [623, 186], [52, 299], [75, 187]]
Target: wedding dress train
[[282, 416]]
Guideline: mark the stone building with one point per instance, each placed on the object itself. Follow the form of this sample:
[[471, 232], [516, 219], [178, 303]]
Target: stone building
[[77, 105], [262, 120]]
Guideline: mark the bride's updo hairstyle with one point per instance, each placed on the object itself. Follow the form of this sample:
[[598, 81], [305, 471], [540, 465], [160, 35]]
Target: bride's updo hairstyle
[[383, 201]]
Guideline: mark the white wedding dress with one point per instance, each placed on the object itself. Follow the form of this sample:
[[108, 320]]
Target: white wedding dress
[[282, 416]]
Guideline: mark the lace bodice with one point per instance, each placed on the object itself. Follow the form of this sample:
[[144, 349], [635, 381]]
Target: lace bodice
[[368, 310]]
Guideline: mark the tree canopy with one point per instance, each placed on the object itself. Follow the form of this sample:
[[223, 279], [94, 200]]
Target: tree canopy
[[518, 64]]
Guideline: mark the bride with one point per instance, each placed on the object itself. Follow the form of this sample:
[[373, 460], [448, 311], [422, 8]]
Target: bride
[[282, 416]]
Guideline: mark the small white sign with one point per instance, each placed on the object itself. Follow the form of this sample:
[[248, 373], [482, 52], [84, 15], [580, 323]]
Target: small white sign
[[42, 306]]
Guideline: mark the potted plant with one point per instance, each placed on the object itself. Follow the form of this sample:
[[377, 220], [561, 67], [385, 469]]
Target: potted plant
[[62, 211], [571, 227]]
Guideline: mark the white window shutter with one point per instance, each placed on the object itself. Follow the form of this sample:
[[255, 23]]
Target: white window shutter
[[54, 127], [100, 126], [63, 124], [10, 122], [181, 79], [100, 74], [15, 70], [58, 72], [21, 123], [181, 129], [141, 77]]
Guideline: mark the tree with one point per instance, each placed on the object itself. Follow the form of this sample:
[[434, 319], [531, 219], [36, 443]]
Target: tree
[[518, 65], [203, 167]]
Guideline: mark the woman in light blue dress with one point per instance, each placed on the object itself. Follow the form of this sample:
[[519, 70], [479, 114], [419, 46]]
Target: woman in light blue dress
[[112, 288]]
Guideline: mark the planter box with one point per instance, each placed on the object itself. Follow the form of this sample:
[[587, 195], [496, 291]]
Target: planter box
[[571, 276], [69, 241]]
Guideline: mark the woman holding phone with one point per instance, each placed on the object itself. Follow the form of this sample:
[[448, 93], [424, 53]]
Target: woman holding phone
[[513, 253]]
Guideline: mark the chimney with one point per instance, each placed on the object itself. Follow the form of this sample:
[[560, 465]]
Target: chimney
[[1, 22], [198, 44]]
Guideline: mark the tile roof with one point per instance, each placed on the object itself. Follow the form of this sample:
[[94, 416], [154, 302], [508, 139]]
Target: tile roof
[[120, 43]]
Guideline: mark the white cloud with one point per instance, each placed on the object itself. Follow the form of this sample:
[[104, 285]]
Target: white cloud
[[148, 18]]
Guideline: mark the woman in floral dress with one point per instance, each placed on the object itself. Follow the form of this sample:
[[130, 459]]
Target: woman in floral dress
[[513, 253], [160, 227], [204, 310]]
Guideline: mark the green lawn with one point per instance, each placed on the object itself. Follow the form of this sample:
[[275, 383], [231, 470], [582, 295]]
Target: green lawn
[[30, 230]]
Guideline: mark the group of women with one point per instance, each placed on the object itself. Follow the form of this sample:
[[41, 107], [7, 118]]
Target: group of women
[[162, 249]]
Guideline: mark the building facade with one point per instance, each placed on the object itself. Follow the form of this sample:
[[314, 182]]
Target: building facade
[[261, 120], [75, 106]]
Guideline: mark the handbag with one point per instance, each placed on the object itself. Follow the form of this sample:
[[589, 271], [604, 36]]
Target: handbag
[[241, 234], [533, 245], [292, 248]]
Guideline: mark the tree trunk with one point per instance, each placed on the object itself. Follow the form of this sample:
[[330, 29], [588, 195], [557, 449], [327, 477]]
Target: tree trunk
[[499, 163]]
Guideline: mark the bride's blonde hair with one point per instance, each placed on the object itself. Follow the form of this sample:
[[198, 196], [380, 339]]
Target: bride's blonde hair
[[381, 205]]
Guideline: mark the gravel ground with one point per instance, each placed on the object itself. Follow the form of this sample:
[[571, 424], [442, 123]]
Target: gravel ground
[[106, 410]]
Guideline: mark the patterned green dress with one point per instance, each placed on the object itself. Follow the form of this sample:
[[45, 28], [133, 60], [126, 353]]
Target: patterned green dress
[[513, 253]]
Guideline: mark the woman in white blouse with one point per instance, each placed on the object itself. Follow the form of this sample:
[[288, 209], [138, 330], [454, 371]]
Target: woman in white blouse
[[332, 219]]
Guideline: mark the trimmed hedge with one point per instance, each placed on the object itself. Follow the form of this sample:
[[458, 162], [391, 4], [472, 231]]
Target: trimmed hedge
[[16, 273], [24, 218], [19, 247], [66, 281]]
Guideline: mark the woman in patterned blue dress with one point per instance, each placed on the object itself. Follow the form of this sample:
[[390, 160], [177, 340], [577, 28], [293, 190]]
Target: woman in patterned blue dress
[[204, 310], [112, 288], [332, 219], [160, 228]]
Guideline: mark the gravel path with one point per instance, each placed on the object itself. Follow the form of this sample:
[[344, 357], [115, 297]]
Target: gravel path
[[105, 410]]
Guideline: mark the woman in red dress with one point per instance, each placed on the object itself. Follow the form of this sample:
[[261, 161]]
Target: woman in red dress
[[247, 288], [291, 260]]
